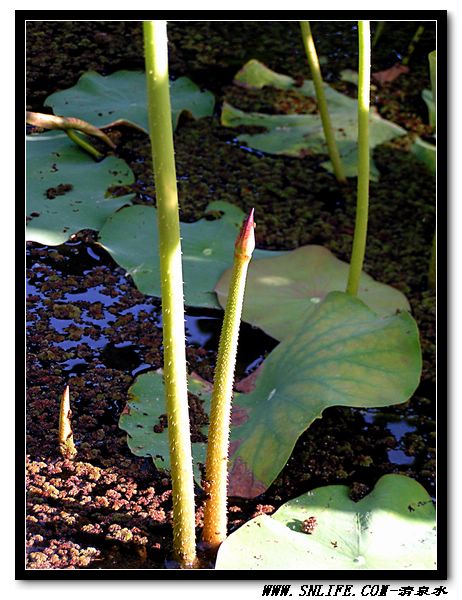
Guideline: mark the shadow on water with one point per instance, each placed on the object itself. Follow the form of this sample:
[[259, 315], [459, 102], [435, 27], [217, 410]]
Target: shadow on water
[[202, 326]]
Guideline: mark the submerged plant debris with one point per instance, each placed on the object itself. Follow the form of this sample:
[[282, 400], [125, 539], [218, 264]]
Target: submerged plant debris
[[89, 326]]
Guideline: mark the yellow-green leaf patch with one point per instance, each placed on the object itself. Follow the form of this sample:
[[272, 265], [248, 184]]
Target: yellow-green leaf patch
[[282, 290], [393, 528]]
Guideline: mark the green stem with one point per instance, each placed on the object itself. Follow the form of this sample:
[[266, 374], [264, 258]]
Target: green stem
[[161, 134], [413, 43], [378, 33], [215, 517], [75, 137], [362, 204], [316, 75], [432, 66]]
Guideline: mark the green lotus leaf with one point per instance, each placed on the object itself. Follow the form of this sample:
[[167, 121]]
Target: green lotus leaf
[[131, 237], [67, 190], [392, 528], [282, 290], [141, 419], [342, 354], [256, 75], [298, 135], [102, 99], [425, 152]]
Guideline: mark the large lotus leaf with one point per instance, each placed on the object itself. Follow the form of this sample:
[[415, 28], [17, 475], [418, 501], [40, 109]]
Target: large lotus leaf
[[343, 354], [67, 190], [102, 99], [141, 419], [297, 135], [392, 528], [282, 290], [131, 237]]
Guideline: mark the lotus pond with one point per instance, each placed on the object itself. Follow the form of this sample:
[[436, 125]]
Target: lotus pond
[[247, 134]]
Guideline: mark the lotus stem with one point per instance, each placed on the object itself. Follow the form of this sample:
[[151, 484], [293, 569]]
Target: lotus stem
[[410, 50], [216, 483], [432, 269], [316, 75], [362, 203], [84, 144], [432, 66], [66, 438], [378, 33], [161, 134]]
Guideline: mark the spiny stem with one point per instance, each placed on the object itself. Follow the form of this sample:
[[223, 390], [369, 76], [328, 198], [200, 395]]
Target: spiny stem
[[215, 518], [66, 438], [315, 69], [161, 134], [362, 204]]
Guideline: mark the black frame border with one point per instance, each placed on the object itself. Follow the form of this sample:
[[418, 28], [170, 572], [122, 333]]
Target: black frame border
[[410, 577]]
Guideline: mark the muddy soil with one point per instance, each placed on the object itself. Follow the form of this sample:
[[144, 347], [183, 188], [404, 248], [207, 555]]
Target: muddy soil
[[89, 327]]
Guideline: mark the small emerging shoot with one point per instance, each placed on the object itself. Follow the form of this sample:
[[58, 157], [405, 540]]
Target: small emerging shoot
[[216, 484], [322, 102], [66, 438], [362, 203]]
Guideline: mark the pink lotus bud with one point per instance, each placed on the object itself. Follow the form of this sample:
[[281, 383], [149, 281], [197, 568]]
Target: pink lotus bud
[[245, 242]]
